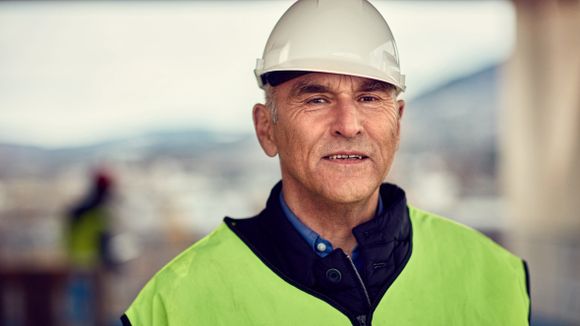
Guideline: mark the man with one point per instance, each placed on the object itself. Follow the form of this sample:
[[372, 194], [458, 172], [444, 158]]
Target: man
[[88, 242], [335, 246]]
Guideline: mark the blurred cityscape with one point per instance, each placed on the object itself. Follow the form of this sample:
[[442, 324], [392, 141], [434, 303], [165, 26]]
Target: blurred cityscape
[[173, 187]]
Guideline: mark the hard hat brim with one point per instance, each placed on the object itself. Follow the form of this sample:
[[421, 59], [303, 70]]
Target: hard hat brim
[[326, 65]]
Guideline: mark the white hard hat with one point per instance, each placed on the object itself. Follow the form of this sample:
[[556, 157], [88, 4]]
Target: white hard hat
[[348, 37]]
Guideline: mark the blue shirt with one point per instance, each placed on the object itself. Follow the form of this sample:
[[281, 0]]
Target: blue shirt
[[318, 244]]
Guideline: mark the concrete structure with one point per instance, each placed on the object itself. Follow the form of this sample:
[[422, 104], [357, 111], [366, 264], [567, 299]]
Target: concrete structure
[[541, 152]]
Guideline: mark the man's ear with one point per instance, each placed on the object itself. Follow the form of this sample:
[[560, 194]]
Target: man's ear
[[401, 111], [401, 105], [263, 125]]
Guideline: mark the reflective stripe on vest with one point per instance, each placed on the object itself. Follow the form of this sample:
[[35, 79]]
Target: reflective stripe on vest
[[455, 276]]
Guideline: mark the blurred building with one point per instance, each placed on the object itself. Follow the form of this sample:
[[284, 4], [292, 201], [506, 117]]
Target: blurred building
[[541, 153]]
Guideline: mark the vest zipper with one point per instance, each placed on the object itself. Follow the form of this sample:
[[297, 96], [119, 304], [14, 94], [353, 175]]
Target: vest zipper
[[362, 320], [360, 281]]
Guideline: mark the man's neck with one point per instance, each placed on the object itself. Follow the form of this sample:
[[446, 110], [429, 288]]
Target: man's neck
[[333, 221]]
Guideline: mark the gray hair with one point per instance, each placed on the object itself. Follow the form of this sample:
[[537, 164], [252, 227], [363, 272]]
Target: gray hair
[[269, 93]]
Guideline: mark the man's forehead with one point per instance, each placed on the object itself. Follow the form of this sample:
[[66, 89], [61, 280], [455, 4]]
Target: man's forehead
[[320, 82]]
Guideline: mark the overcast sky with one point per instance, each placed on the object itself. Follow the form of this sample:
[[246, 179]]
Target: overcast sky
[[73, 73]]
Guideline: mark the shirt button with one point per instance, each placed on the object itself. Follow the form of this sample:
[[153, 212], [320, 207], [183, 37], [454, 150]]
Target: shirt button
[[333, 275], [321, 247]]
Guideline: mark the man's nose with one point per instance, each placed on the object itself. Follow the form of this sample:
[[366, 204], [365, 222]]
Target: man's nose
[[347, 122]]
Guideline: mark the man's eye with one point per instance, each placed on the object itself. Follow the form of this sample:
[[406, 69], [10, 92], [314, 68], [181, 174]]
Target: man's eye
[[368, 98], [317, 100]]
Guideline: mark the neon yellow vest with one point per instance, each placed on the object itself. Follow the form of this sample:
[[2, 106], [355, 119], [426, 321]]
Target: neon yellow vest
[[84, 239], [455, 276]]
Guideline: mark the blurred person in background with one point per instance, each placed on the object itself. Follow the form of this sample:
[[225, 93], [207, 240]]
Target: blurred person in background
[[334, 244], [88, 239]]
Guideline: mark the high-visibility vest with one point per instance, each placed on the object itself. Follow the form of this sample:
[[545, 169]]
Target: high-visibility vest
[[455, 276], [85, 237]]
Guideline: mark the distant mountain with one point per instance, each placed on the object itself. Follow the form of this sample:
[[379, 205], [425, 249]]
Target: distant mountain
[[456, 121], [24, 160]]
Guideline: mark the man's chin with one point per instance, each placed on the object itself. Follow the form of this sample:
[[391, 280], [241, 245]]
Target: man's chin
[[348, 193]]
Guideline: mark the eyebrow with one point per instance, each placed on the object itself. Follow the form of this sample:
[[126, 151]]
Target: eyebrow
[[375, 85], [308, 87]]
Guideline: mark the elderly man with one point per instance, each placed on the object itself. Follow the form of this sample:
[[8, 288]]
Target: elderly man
[[334, 245]]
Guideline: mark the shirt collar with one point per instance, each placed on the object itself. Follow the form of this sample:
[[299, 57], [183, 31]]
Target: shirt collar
[[317, 243]]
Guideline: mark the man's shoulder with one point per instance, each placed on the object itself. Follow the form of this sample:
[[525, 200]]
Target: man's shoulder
[[442, 231], [461, 252], [432, 221], [203, 275], [214, 247]]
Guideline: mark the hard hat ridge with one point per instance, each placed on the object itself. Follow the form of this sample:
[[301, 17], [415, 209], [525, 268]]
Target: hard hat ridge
[[335, 36]]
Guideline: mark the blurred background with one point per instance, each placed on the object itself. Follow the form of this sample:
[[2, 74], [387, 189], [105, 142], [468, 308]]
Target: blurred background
[[126, 135]]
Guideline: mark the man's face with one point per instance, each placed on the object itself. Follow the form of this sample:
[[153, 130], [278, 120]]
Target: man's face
[[336, 135]]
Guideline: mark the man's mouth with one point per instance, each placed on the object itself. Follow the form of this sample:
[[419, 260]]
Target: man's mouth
[[345, 157]]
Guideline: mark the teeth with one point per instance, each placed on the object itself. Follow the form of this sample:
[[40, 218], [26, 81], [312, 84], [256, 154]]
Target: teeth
[[343, 157]]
